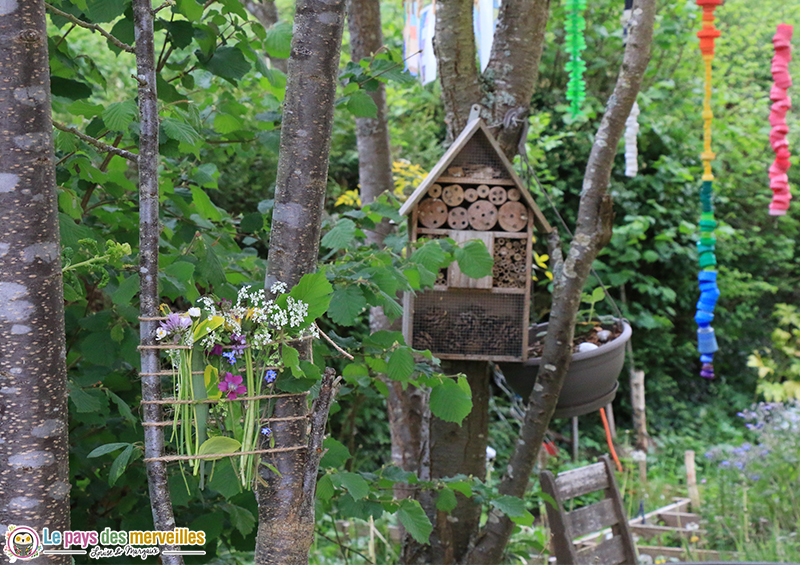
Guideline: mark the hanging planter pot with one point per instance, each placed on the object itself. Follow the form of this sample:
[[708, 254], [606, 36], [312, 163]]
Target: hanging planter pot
[[591, 380]]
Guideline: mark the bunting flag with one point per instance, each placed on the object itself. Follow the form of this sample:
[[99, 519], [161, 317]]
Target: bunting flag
[[778, 177], [707, 278], [576, 44]]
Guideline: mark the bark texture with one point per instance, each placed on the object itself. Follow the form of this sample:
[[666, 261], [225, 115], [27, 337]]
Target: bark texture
[[593, 231], [34, 446], [505, 88], [286, 522], [149, 230]]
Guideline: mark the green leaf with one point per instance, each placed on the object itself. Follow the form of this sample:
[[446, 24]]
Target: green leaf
[[598, 294], [224, 480], [251, 223], [122, 406], [278, 42], [181, 33], [446, 500], [291, 360], [413, 518], [180, 130], [225, 123], [325, 489], [204, 206], [241, 518], [346, 304], [340, 235], [180, 270], [336, 455], [474, 259], [401, 364], [234, 6], [119, 465], [119, 115], [107, 448], [228, 63], [315, 290], [191, 9], [83, 401], [353, 482], [103, 11], [450, 401], [514, 508], [361, 105], [219, 445], [68, 88], [430, 256], [126, 290], [167, 92]]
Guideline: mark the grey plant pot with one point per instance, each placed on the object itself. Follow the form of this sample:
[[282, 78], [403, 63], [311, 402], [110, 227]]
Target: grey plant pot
[[591, 380]]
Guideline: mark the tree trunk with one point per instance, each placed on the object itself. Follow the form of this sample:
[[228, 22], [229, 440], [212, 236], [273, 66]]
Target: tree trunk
[[34, 445], [266, 12], [454, 449], [593, 231], [149, 231], [286, 518], [504, 91], [404, 407]]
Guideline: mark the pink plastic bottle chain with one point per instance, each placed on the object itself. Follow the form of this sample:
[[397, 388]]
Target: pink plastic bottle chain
[[778, 178]]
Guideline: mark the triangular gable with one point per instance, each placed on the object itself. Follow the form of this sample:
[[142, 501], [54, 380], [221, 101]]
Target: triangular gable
[[450, 155]]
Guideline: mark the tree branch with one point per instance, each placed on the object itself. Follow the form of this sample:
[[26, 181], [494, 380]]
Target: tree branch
[[593, 231], [454, 45], [513, 68], [93, 27], [104, 147], [319, 419]]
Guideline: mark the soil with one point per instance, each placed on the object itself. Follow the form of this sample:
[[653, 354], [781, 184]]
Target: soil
[[582, 335]]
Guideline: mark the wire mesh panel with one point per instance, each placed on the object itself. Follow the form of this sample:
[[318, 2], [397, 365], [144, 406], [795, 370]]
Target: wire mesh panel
[[454, 324], [478, 159]]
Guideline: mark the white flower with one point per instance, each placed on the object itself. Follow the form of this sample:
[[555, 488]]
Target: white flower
[[161, 333], [194, 312], [278, 288]]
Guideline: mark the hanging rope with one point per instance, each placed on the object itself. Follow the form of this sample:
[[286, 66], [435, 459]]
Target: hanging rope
[[707, 278]]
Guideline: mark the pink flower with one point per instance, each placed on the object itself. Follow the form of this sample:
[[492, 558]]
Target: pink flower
[[233, 385]]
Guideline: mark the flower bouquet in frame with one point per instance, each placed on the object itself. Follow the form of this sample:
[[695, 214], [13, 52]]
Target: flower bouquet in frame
[[227, 358]]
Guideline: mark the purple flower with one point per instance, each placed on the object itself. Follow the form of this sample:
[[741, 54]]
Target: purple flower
[[216, 350], [238, 343], [266, 432], [233, 385], [739, 465], [725, 463], [230, 356], [176, 322], [270, 376], [755, 477]]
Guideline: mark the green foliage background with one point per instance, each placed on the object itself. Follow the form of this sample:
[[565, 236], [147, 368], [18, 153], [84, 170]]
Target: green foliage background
[[221, 110]]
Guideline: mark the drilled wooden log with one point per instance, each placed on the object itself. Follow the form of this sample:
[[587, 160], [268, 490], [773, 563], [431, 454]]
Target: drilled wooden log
[[458, 218], [482, 215], [453, 195], [435, 191], [513, 216], [432, 213], [498, 195]]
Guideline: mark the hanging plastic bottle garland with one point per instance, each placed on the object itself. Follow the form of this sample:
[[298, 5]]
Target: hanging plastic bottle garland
[[709, 292], [632, 123], [778, 178], [576, 44]]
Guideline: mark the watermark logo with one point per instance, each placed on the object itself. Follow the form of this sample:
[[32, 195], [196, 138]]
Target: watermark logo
[[22, 543]]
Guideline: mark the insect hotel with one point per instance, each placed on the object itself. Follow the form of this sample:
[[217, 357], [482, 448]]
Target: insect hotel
[[473, 192]]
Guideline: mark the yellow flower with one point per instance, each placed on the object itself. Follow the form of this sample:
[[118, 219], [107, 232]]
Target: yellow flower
[[349, 198]]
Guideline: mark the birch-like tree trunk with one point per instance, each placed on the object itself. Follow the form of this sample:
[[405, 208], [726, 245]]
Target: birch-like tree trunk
[[592, 233], [34, 445], [286, 516], [149, 231]]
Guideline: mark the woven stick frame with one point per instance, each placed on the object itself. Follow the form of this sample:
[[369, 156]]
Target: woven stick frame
[[168, 458]]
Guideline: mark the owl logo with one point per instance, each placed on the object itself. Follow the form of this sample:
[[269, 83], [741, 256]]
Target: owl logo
[[22, 543]]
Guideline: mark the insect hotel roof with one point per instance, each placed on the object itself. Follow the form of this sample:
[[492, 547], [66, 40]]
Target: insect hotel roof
[[473, 192]]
